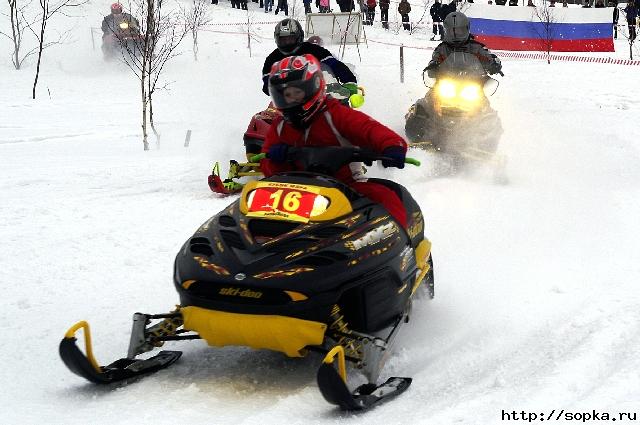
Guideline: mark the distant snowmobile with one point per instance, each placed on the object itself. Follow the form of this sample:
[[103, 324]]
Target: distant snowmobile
[[257, 131], [299, 262], [455, 118], [125, 38]]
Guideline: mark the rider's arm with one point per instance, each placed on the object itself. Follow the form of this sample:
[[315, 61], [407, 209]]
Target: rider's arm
[[268, 167], [340, 70], [105, 25], [274, 57], [436, 59], [489, 61]]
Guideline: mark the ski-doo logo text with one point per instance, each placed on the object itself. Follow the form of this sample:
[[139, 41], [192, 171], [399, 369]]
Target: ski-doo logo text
[[237, 292], [372, 237]]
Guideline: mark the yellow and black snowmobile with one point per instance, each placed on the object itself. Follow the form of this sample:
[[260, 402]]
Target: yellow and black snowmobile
[[300, 262]]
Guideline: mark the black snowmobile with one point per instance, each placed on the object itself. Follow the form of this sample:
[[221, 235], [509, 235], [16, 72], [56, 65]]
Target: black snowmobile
[[123, 40], [300, 262], [455, 118]]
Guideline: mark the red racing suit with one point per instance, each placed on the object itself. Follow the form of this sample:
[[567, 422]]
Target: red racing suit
[[339, 125]]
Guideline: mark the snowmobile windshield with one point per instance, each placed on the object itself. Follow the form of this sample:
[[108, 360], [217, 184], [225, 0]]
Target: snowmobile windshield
[[461, 65]]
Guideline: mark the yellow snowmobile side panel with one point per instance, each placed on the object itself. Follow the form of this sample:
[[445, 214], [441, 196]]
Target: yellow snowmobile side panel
[[287, 335], [422, 255]]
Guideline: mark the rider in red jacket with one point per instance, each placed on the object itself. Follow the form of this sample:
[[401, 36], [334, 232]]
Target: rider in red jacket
[[310, 118]]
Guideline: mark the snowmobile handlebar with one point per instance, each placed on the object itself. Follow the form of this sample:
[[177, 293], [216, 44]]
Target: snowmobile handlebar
[[339, 155]]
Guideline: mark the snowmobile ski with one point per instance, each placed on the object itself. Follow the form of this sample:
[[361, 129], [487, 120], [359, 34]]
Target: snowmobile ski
[[120, 370], [332, 385]]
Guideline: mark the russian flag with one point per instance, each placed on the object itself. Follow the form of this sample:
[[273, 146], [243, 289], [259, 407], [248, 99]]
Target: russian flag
[[520, 28]]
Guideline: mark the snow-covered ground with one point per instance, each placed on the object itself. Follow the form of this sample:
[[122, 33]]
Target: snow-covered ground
[[537, 301]]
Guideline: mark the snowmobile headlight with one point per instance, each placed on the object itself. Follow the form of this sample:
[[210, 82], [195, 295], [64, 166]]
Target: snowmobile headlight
[[447, 89], [320, 205], [250, 197], [123, 25], [470, 92]]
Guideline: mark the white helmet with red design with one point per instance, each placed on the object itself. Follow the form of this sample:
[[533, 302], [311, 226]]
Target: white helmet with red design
[[298, 88]]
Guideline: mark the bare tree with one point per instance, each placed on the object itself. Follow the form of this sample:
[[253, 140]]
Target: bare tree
[[197, 17], [426, 5], [19, 25], [148, 54], [546, 31], [49, 10]]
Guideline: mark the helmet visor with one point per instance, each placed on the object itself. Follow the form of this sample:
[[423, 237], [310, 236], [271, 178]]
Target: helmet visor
[[292, 94], [287, 42]]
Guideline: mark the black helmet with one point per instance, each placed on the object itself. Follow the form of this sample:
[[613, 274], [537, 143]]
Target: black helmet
[[288, 35], [456, 28]]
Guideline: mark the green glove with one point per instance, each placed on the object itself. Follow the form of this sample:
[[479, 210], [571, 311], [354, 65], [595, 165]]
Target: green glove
[[352, 87]]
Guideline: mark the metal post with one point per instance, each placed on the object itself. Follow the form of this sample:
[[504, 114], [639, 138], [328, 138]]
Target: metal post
[[402, 63]]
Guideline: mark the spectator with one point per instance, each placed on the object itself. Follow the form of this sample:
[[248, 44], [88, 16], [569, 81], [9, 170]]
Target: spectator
[[384, 13], [436, 12], [530, 3], [445, 9], [632, 14], [283, 5], [404, 8], [268, 6], [371, 12], [564, 3], [599, 4], [362, 4], [307, 6], [324, 6], [235, 4], [552, 3], [243, 4], [513, 2], [616, 17]]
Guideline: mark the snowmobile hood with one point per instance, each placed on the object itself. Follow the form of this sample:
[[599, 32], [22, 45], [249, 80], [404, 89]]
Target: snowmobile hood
[[252, 256]]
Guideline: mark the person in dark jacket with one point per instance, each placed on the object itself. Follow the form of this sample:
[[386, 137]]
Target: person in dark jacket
[[631, 11], [458, 39], [282, 5], [111, 22], [404, 8], [616, 18], [371, 11], [445, 9], [436, 16], [289, 38], [384, 13], [310, 118]]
